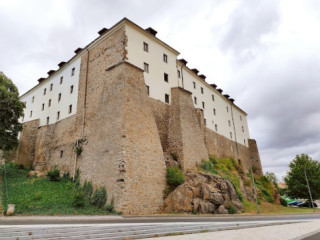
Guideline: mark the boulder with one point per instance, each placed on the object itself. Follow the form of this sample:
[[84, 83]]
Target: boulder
[[204, 193], [10, 209]]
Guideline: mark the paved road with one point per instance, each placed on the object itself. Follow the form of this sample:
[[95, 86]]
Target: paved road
[[17, 220]]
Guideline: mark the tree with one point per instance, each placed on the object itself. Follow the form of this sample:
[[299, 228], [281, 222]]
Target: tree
[[11, 109], [296, 181]]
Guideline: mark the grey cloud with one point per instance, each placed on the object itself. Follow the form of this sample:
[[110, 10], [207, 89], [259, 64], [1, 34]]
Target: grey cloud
[[247, 24]]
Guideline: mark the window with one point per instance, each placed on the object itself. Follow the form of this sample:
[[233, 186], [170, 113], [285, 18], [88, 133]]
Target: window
[[244, 141], [44, 91], [51, 86], [195, 100], [59, 97], [214, 111], [231, 135], [166, 77], [166, 98], [42, 106], [227, 109], [194, 85], [70, 108], [203, 105], [145, 47], [58, 115], [229, 123], [178, 72], [165, 58], [212, 97], [242, 128], [202, 90], [61, 80], [205, 122], [33, 99], [49, 103], [30, 113], [47, 120], [216, 127], [72, 71], [61, 153], [148, 89], [146, 67], [240, 118], [71, 89]]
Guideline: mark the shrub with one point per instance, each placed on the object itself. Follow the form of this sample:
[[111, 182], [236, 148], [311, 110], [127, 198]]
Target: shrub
[[110, 207], [194, 212], [213, 160], [206, 166], [20, 166], [174, 177], [99, 197], [87, 189], [283, 202], [54, 174], [66, 175], [232, 209], [267, 195], [78, 199]]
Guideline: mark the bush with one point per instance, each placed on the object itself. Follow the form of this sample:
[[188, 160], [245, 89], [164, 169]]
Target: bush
[[87, 189], [283, 202], [213, 160], [207, 166], [267, 195], [174, 177], [66, 175], [99, 197], [78, 199], [110, 207], [232, 209], [54, 174]]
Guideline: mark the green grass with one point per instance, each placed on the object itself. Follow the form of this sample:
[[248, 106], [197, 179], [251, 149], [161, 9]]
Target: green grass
[[39, 196]]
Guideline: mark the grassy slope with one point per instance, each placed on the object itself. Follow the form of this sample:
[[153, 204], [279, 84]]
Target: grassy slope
[[39, 196]]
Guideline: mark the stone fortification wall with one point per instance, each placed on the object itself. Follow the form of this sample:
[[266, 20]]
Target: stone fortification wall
[[27, 143], [124, 151], [255, 156], [185, 134]]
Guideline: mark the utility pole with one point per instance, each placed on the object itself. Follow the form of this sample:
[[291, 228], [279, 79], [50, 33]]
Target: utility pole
[[305, 174], [254, 190]]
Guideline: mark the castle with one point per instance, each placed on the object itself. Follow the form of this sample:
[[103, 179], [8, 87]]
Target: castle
[[127, 104]]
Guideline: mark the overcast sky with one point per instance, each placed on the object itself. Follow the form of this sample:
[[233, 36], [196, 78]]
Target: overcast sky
[[263, 53]]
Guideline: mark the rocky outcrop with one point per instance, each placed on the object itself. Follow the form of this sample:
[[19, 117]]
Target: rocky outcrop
[[203, 193]]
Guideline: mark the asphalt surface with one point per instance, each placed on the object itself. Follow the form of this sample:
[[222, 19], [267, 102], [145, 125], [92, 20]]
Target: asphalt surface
[[27, 220]]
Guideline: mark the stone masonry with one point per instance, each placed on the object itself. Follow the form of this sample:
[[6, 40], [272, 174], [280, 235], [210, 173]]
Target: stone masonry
[[126, 135]]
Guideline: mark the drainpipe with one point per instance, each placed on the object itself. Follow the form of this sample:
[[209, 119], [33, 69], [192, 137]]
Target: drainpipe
[[83, 114]]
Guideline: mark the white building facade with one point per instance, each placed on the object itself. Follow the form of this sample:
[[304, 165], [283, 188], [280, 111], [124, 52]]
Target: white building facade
[[55, 98]]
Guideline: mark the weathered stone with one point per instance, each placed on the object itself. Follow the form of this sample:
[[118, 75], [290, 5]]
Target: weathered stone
[[204, 193], [221, 210], [10, 210], [37, 174]]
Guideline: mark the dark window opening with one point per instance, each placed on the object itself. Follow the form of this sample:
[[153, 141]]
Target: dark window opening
[[166, 77], [166, 98]]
